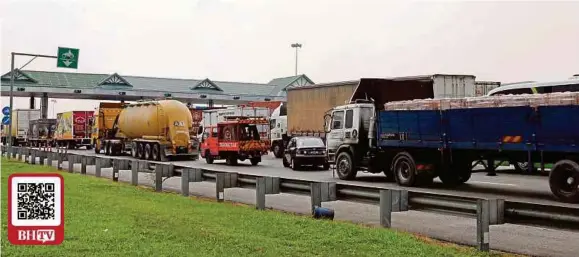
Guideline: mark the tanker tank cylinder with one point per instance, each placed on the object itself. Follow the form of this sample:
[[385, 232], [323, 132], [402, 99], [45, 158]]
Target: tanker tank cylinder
[[167, 121]]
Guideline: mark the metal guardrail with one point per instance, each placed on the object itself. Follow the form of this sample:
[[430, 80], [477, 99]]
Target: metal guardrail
[[486, 211]]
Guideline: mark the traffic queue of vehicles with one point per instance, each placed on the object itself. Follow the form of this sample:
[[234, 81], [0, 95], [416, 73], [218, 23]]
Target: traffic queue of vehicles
[[412, 129]]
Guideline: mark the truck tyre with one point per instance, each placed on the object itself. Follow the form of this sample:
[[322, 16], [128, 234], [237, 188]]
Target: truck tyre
[[564, 181], [278, 150], [107, 148], [148, 153], [255, 161], [231, 160], [156, 152], [456, 174], [208, 157], [404, 169], [141, 151], [345, 166], [134, 152]]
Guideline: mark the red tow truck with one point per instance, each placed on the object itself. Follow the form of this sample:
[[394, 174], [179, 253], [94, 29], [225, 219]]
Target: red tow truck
[[235, 138]]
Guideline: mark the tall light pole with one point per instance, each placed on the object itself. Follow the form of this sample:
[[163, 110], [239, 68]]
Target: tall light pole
[[296, 46]]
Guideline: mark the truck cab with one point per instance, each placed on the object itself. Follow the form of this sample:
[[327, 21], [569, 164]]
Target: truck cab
[[278, 125], [349, 128], [235, 138]]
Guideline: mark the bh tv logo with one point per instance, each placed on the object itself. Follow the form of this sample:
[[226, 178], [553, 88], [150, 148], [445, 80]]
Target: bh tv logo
[[35, 209]]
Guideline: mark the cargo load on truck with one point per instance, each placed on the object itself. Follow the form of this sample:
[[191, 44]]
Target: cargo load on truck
[[151, 130], [41, 132], [73, 129], [20, 120], [413, 140], [212, 117]]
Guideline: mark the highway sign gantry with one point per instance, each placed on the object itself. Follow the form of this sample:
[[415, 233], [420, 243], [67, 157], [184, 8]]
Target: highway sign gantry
[[67, 58]]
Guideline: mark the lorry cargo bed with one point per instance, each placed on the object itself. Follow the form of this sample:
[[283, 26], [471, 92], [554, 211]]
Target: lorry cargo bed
[[522, 128]]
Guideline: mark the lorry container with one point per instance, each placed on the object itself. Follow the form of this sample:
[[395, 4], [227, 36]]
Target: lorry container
[[20, 120], [73, 129], [41, 132], [307, 105], [152, 130], [413, 142]]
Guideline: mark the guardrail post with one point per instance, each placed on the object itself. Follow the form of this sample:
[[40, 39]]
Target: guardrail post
[[59, 157], [263, 187], [32, 156], [386, 209], [49, 157], [220, 186], [482, 224], [116, 168], [97, 167], [135, 167], [322, 192], [315, 195], [24, 153], [83, 162], [41, 157], [158, 177], [189, 175], [71, 160], [497, 211]]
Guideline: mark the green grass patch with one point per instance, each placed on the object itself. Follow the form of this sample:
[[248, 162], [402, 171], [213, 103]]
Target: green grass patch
[[103, 218]]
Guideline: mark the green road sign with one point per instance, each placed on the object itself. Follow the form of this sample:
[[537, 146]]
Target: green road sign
[[67, 58]]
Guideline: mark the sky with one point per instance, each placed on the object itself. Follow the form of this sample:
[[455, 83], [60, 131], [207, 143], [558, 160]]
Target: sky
[[249, 40]]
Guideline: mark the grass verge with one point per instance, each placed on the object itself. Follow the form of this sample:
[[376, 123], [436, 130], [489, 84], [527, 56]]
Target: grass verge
[[103, 218]]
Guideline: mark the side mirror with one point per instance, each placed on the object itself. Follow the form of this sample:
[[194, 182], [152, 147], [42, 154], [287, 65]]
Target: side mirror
[[327, 122]]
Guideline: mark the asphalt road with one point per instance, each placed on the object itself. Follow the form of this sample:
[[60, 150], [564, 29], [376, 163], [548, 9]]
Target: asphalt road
[[514, 187], [529, 240]]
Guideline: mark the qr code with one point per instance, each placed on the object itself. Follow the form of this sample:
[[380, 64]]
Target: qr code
[[36, 201]]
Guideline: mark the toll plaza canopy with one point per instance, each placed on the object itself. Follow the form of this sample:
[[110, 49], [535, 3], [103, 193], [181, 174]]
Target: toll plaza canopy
[[72, 85]]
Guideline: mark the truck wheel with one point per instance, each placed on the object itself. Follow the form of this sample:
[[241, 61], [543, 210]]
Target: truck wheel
[[405, 169], [278, 150], [148, 154], [141, 151], [564, 181], [156, 152], [255, 161], [107, 148], [345, 166], [231, 160], [134, 150], [456, 174], [208, 157]]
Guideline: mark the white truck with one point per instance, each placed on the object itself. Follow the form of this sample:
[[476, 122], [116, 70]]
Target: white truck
[[278, 125], [20, 124]]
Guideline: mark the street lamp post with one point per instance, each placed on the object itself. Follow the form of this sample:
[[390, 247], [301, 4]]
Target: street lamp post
[[296, 46]]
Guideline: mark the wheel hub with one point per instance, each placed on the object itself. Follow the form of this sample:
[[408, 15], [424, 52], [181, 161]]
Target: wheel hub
[[343, 166]]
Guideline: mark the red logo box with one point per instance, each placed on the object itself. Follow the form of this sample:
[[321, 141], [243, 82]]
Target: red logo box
[[35, 209]]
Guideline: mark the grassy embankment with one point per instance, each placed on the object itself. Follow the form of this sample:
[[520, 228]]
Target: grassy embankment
[[103, 218]]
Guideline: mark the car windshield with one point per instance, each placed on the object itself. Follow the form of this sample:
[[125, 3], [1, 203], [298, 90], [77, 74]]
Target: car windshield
[[310, 142]]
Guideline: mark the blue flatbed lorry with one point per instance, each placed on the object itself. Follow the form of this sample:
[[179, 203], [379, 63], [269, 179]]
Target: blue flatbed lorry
[[413, 147]]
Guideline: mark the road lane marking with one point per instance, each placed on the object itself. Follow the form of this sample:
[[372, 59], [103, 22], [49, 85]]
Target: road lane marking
[[493, 183]]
